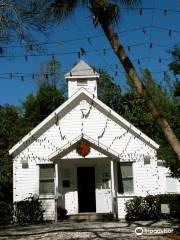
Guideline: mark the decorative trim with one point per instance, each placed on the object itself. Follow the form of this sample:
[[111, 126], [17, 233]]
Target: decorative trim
[[83, 148]]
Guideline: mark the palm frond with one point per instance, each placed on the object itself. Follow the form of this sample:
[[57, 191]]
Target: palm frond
[[127, 3], [58, 10], [108, 11]]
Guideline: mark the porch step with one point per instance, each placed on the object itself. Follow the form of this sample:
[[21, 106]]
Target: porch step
[[91, 217]]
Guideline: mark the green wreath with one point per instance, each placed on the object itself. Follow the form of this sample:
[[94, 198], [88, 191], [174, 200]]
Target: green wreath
[[83, 148]]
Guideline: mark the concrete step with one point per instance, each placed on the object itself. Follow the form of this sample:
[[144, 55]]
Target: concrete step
[[91, 217]]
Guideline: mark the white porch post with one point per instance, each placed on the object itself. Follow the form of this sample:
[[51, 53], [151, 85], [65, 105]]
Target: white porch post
[[56, 191], [114, 188]]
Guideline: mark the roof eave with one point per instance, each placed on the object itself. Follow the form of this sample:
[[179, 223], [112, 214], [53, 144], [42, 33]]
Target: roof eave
[[81, 76], [45, 121]]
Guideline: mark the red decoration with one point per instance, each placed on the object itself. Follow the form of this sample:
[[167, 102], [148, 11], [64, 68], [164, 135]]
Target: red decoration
[[83, 148]]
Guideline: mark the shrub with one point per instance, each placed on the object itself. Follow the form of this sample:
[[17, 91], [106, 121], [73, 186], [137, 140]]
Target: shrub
[[149, 207], [62, 212], [174, 203], [141, 208], [29, 211], [5, 213]]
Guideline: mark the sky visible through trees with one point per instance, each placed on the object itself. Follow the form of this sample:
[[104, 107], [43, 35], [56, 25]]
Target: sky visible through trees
[[148, 33]]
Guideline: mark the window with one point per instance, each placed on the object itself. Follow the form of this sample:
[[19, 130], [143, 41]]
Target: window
[[147, 159], [82, 82], [160, 163], [46, 179], [171, 184], [125, 178], [66, 178]]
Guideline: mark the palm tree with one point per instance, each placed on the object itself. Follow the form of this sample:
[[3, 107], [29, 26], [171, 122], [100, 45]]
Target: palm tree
[[106, 13]]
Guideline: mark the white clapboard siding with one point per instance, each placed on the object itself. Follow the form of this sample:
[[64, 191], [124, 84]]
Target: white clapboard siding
[[144, 179], [25, 180], [49, 209], [98, 126], [121, 201], [73, 87]]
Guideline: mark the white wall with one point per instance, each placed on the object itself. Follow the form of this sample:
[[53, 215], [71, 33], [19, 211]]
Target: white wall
[[73, 87], [101, 128]]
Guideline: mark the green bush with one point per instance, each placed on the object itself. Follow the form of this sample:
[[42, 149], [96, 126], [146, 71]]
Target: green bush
[[174, 203], [149, 207], [142, 208], [6, 215], [29, 211]]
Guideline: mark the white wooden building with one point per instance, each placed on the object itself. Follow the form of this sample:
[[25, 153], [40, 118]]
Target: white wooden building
[[121, 164]]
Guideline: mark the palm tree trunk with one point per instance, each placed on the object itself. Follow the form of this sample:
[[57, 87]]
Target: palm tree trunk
[[140, 87]]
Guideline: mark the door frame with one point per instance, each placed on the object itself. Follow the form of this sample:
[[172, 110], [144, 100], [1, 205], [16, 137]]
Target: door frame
[[86, 166]]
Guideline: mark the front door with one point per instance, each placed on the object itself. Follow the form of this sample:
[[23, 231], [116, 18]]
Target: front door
[[86, 189]]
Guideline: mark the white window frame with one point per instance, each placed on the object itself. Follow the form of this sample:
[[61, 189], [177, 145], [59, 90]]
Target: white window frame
[[126, 178], [46, 195]]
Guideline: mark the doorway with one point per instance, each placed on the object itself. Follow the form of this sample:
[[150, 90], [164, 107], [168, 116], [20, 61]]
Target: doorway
[[86, 189]]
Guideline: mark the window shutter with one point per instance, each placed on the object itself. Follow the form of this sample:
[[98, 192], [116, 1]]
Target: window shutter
[[119, 177]]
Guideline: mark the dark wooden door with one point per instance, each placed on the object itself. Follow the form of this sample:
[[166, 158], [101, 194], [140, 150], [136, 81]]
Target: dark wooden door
[[86, 189]]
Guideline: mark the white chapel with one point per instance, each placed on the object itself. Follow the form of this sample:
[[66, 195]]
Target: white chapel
[[86, 158]]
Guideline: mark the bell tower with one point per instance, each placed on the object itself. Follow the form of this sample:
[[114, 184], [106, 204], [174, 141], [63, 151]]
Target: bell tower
[[82, 76]]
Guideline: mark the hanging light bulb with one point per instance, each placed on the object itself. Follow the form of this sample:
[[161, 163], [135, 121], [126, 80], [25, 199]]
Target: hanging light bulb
[[170, 33], [144, 30], [53, 57], [165, 12], [89, 40], [141, 12], [82, 51]]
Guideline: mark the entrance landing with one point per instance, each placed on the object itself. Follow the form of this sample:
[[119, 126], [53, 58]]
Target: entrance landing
[[91, 217]]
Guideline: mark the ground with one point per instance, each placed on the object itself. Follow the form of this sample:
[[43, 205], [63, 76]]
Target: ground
[[91, 230]]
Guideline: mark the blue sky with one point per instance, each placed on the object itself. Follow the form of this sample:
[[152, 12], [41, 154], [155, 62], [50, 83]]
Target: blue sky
[[156, 26]]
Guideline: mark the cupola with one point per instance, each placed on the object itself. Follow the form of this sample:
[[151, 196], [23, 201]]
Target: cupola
[[82, 76]]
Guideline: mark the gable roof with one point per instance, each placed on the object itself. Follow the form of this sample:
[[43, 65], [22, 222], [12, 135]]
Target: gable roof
[[82, 69], [93, 143], [80, 95]]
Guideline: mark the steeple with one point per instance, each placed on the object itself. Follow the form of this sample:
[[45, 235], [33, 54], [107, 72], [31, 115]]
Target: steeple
[[82, 76]]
